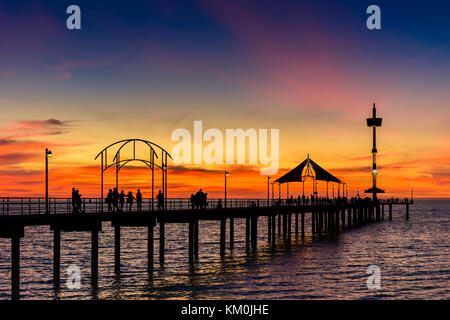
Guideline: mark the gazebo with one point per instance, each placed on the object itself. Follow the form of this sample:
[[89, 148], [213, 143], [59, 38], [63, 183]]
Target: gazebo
[[309, 169]]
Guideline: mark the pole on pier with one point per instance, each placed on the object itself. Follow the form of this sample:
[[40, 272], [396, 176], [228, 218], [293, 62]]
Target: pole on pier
[[231, 233], [390, 211], [343, 218], [15, 267], [150, 249], [161, 243], [56, 258], [223, 223], [117, 249], [279, 224], [94, 259]]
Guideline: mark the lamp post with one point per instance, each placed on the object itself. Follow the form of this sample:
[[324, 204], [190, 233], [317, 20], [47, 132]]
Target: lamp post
[[268, 183], [48, 154], [226, 175]]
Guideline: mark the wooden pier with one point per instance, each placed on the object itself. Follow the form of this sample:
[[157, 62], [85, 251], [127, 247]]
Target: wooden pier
[[329, 218]]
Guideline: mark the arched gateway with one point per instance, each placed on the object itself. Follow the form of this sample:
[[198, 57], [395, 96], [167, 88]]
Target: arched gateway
[[152, 149]]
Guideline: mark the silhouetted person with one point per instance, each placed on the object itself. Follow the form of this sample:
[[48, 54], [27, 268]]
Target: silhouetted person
[[74, 201], [109, 200], [139, 200], [160, 198], [121, 200], [130, 199], [115, 200], [78, 201]]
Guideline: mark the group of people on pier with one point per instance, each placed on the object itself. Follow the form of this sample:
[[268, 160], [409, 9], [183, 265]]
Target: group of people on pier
[[116, 200], [199, 200]]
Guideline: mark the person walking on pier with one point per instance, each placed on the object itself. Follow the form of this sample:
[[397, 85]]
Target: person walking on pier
[[109, 200], [139, 200], [130, 199], [121, 200], [78, 202], [160, 198]]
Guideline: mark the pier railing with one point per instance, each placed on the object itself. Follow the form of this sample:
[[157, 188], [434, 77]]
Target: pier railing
[[37, 205]]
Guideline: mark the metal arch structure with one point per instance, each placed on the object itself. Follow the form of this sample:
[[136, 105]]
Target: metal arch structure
[[119, 163]]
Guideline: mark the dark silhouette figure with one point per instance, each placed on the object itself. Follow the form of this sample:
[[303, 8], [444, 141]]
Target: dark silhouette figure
[[121, 200], [199, 200], [219, 204], [115, 200], [109, 200], [74, 201], [139, 200], [130, 199], [78, 202], [160, 198]]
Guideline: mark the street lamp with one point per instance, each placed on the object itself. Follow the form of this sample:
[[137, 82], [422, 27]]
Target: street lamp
[[273, 195], [48, 154], [268, 182], [226, 175]]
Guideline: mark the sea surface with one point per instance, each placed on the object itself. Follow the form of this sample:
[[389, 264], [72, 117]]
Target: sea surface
[[413, 258]]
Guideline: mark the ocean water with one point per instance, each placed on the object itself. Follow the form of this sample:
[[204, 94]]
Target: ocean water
[[413, 257]]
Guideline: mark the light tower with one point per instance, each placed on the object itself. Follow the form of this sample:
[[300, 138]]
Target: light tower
[[374, 122]]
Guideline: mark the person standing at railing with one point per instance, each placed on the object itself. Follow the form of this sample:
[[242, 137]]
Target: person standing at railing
[[160, 198], [115, 200], [139, 200], [121, 200], [109, 200], [74, 201], [78, 202], [130, 199]]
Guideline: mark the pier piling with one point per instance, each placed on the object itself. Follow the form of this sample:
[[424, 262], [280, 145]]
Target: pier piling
[[56, 259]]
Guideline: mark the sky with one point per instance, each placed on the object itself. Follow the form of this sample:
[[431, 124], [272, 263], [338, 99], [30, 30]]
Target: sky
[[142, 69]]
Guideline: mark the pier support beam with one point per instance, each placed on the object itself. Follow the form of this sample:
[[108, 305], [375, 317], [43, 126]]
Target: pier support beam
[[56, 259], [94, 259], [273, 230], [269, 229], [382, 212], [223, 223], [196, 239], [296, 224], [407, 211], [191, 242], [303, 225], [254, 228], [15, 267], [150, 249], [390, 211], [247, 234], [161, 243], [289, 226], [117, 249], [231, 233]]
